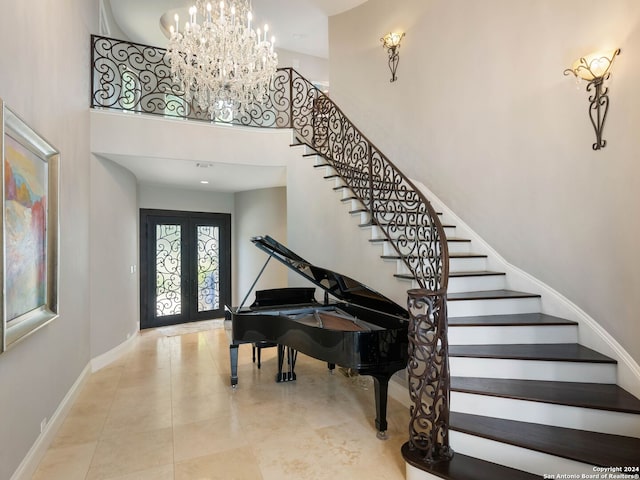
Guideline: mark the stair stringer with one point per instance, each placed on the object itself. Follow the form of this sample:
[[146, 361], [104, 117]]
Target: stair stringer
[[590, 333]]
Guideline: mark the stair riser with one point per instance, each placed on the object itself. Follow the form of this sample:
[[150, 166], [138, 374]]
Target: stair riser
[[472, 264], [376, 232], [390, 217], [528, 334], [454, 247], [533, 369], [603, 421], [466, 308], [401, 267], [379, 193], [355, 205], [515, 457], [459, 247], [476, 283]]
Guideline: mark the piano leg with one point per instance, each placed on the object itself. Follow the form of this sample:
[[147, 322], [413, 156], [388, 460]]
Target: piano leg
[[233, 358], [331, 367], [290, 374], [381, 387]]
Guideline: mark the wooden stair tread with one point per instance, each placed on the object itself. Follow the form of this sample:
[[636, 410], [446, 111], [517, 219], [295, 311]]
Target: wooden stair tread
[[509, 320], [379, 224], [592, 448], [398, 257], [404, 276], [489, 295], [599, 396], [466, 255], [366, 210], [562, 352], [463, 467], [475, 273], [376, 188], [376, 182], [449, 239]]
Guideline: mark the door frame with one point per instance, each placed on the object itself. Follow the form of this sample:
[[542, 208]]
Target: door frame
[[147, 290]]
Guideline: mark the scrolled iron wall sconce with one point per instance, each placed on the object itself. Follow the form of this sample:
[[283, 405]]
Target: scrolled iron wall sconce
[[595, 69], [391, 41]]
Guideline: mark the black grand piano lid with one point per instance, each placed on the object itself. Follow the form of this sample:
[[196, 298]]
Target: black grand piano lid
[[339, 285]]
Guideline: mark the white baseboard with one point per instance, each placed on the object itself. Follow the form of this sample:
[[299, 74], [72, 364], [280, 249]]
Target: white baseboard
[[30, 462], [112, 355]]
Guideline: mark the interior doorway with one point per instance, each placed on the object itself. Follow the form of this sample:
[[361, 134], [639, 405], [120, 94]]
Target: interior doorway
[[185, 266]]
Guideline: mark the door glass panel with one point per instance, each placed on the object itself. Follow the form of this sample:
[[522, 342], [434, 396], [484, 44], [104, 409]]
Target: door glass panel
[[168, 270], [208, 268]]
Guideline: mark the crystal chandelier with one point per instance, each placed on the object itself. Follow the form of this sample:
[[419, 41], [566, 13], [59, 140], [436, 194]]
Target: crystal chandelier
[[218, 60]]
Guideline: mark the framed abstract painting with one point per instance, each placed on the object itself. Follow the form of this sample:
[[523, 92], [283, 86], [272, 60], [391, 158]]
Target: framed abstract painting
[[29, 229]]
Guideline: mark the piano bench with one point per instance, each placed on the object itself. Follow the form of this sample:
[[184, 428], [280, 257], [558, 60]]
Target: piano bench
[[259, 346]]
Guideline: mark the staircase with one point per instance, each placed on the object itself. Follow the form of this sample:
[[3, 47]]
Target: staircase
[[526, 398]]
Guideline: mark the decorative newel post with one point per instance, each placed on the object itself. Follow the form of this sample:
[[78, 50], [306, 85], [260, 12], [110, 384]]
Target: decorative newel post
[[428, 377]]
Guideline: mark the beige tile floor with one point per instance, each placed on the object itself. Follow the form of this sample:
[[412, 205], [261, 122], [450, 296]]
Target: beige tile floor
[[165, 411]]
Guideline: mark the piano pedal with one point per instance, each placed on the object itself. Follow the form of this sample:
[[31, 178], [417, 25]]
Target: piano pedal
[[285, 377], [348, 372], [360, 381]]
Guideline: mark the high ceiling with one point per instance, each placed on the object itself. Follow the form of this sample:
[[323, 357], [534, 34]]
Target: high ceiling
[[298, 25]]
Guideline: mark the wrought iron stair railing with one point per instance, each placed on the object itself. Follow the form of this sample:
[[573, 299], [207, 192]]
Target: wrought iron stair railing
[[137, 78]]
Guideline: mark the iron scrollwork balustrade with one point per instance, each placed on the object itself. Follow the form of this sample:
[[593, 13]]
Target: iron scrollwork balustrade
[[136, 78], [428, 376]]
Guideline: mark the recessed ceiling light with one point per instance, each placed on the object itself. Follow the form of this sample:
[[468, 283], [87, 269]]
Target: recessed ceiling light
[[204, 182]]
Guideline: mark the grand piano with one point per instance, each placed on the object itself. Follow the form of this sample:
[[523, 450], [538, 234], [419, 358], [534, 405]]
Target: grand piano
[[358, 329]]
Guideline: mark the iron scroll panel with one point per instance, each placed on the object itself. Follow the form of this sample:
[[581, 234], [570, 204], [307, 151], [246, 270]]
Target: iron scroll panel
[[136, 78], [428, 377]]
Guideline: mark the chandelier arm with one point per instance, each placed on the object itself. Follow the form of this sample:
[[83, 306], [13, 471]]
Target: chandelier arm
[[220, 62]]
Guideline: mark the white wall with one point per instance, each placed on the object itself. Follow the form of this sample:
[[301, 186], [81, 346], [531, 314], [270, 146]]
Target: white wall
[[321, 230], [482, 114], [44, 78], [258, 212], [114, 251], [163, 197]]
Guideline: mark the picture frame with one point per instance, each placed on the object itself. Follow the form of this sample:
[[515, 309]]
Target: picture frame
[[29, 230]]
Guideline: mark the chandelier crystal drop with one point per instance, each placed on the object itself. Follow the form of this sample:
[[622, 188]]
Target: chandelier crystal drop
[[218, 60]]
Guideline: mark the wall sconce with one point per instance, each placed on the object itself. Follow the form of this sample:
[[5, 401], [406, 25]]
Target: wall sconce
[[391, 41], [594, 68]]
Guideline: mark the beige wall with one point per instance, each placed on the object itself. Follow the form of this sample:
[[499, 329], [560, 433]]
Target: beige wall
[[114, 255], [314, 69], [482, 114], [44, 78], [258, 212], [163, 197]]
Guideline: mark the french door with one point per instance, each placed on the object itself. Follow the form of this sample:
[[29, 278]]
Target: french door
[[185, 266]]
